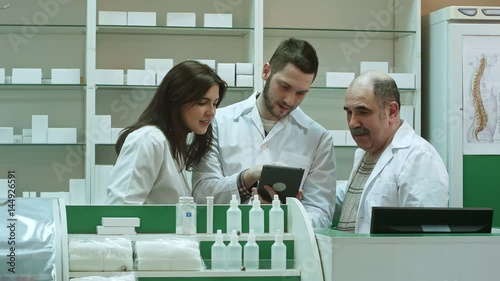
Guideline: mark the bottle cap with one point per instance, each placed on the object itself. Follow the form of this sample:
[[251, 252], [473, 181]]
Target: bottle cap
[[279, 236], [234, 236], [251, 236], [218, 237], [185, 199], [276, 201], [233, 202], [256, 201]]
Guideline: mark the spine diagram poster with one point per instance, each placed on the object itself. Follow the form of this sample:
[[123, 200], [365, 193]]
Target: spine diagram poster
[[481, 94]]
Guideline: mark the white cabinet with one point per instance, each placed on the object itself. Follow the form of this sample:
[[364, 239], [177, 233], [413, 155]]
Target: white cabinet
[[343, 32]]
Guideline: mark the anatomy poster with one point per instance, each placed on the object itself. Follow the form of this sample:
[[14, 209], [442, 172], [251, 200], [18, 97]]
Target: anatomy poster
[[481, 94]]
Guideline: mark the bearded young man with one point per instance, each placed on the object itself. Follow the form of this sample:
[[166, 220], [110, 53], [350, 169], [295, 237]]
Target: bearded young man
[[270, 128]]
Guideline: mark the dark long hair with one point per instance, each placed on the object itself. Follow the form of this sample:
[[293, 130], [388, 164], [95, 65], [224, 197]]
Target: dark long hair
[[185, 83]]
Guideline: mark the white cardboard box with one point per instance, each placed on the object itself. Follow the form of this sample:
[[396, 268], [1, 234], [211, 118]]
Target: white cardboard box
[[121, 221], [158, 64], [160, 74], [18, 139], [244, 68], [115, 230], [2, 75], [26, 194], [61, 135], [141, 77], [181, 19], [339, 79], [27, 132], [101, 129], [243, 80], [109, 76], [39, 128], [60, 195], [77, 194], [227, 72], [210, 63], [404, 80], [141, 18], [112, 18], [115, 133], [6, 135], [26, 76], [218, 20], [349, 141], [27, 139], [406, 113], [65, 76], [338, 137], [99, 189], [374, 65]]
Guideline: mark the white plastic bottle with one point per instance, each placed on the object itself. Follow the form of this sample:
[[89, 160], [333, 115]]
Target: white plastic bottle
[[233, 253], [251, 253], [219, 252], [278, 252], [256, 216], [185, 218], [276, 216], [233, 216]]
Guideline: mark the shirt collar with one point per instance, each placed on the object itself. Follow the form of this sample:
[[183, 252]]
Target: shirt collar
[[250, 104]]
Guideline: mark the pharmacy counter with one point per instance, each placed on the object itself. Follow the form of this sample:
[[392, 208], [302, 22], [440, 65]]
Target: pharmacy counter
[[437, 257]]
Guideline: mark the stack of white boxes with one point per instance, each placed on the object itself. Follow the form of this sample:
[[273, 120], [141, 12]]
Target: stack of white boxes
[[244, 74], [29, 194], [102, 133], [101, 181], [160, 67], [41, 133], [118, 225]]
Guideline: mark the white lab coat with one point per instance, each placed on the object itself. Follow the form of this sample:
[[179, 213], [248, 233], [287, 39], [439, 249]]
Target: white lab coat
[[240, 143], [409, 173], [145, 171]]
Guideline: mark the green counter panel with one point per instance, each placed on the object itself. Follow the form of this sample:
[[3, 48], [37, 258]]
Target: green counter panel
[[154, 218], [481, 186]]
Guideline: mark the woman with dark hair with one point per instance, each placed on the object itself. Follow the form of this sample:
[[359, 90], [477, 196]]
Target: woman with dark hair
[[155, 152]]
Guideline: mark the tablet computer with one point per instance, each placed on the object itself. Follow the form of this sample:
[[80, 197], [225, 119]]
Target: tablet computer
[[284, 180]]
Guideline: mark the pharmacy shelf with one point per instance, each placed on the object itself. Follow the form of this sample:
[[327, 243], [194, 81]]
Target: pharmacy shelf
[[202, 273], [199, 236], [43, 144], [152, 87], [335, 33], [42, 29], [42, 86], [167, 30]]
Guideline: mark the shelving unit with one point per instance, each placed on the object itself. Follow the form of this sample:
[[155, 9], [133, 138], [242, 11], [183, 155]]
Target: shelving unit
[[303, 260], [344, 32]]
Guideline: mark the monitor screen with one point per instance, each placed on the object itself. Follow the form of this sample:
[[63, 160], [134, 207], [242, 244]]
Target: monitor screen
[[430, 220]]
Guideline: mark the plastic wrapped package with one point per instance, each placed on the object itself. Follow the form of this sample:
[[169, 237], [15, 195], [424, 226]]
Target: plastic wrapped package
[[95, 253], [170, 253], [118, 277], [32, 241]]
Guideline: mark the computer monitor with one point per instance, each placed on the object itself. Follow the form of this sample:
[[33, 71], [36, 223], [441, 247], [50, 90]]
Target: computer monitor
[[387, 220]]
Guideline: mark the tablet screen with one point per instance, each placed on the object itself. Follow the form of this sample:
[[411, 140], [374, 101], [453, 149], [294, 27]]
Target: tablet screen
[[284, 180]]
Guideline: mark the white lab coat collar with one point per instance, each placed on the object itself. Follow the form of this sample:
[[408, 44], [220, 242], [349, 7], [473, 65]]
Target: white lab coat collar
[[401, 139], [249, 106]]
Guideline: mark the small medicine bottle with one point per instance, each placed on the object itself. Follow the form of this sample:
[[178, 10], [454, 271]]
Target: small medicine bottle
[[185, 216]]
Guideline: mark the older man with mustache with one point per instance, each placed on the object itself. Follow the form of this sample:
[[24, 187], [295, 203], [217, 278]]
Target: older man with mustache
[[394, 167]]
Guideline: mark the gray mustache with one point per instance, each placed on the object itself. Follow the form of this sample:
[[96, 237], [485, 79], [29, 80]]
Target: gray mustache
[[359, 131]]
